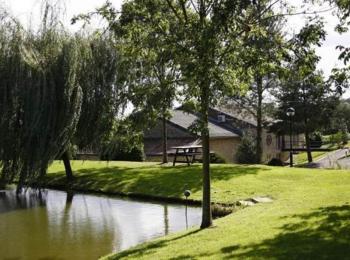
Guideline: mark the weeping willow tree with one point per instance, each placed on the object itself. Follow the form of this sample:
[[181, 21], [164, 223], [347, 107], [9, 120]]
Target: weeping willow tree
[[101, 95], [40, 98], [56, 89]]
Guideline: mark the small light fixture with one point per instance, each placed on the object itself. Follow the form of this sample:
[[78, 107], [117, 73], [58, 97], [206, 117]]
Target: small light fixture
[[290, 112], [187, 193]]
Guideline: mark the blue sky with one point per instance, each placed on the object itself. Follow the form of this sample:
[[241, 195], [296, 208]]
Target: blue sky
[[28, 11]]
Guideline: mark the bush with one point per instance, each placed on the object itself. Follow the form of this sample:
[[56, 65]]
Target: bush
[[246, 152], [135, 154], [338, 139], [275, 162], [215, 158], [126, 144], [73, 150], [316, 140], [344, 137]]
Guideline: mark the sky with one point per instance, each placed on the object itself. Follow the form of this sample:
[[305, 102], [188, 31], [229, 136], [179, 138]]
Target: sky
[[28, 12]]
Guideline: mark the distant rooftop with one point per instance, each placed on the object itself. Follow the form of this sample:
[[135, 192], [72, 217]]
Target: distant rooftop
[[239, 114], [185, 120], [242, 114]]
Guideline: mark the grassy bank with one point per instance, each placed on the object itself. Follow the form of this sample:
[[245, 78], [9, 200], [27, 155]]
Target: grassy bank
[[166, 181], [309, 218]]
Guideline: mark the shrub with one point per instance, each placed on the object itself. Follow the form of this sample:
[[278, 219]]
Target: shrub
[[126, 144], [316, 140], [344, 137], [73, 150], [215, 158], [246, 152], [337, 139], [275, 162], [123, 153], [135, 154]]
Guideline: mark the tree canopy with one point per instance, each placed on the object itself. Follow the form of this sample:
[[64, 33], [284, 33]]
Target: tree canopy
[[40, 98], [57, 89]]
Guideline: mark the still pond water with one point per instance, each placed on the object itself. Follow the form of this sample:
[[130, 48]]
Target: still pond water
[[57, 225]]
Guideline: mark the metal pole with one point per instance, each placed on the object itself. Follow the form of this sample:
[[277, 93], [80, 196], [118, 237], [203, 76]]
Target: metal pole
[[291, 142]]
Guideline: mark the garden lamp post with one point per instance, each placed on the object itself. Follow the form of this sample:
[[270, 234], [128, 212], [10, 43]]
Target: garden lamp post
[[290, 113], [187, 193]]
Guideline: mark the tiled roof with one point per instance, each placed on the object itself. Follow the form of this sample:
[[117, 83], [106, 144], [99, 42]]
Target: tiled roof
[[239, 114], [185, 120]]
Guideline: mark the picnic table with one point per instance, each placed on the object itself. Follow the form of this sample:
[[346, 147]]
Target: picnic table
[[189, 152]]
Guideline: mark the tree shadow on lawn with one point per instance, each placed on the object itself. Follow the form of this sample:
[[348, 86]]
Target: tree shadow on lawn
[[151, 247], [323, 234], [158, 181]]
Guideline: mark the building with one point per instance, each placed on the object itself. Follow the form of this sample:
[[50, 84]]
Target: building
[[225, 132]]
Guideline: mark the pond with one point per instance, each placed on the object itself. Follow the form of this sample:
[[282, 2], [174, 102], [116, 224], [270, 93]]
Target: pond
[[57, 225]]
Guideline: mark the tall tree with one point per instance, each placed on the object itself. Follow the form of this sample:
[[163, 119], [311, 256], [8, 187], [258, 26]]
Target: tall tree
[[40, 98], [101, 99], [304, 88], [145, 33], [144, 40], [340, 77], [341, 117], [46, 79], [210, 39], [263, 54], [207, 44]]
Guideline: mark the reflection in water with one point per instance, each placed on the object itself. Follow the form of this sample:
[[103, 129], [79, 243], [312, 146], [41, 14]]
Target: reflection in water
[[166, 220], [186, 216], [9, 201], [58, 225]]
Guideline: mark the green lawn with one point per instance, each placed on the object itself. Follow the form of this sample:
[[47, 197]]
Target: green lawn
[[309, 218], [301, 157]]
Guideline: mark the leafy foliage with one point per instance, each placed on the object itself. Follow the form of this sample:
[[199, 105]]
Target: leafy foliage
[[246, 151], [263, 51], [101, 96], [40, 98], [340, 118], [275, 162], [304, 88], [57, 91], [125, 144]]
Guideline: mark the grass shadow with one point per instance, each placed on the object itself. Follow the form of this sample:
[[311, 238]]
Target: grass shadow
[[154, 180], [322, 234], [150, 247]]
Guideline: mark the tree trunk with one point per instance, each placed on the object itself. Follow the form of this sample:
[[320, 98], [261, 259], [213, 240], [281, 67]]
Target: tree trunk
[[206, 204], [165, 139], [67, 166], [308, 147], [259, 120], [206, 207], [204, 85], [2, 182], [306, 132]]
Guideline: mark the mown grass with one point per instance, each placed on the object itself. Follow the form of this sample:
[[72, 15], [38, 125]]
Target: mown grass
[[155, 179], [301, 157], [309, 218]]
